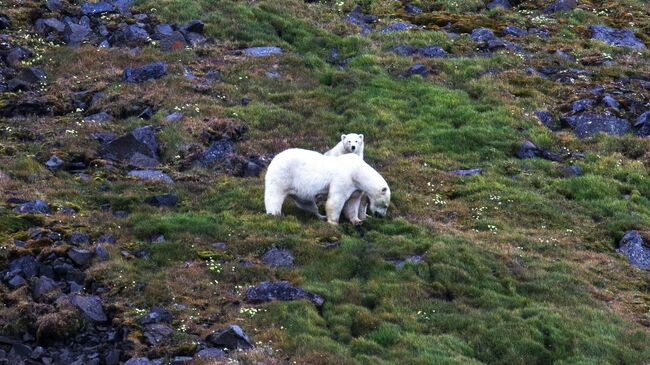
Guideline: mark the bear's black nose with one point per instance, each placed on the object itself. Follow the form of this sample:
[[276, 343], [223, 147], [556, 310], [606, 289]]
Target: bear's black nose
[[353, 147]]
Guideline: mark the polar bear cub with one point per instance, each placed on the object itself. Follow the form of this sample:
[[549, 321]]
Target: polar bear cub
[[303, 174], [350, 143]]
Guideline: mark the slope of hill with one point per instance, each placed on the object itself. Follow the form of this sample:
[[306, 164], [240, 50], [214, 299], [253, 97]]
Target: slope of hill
[[513, 135]]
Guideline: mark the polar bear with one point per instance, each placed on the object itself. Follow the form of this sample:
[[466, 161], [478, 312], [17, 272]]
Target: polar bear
[[350, 143], [303, 174]]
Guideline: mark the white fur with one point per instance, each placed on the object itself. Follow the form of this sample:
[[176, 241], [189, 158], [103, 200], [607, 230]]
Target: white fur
[[350, 143], [304, 174]]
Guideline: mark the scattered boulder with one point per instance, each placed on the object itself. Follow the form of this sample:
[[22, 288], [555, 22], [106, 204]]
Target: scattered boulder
[[54, 163], [48, 25], [433, 52], [268, 291], [529, 150], [505, 4], [231, 338], [172, 42], [561, 6], [16, 281], [546, 119], [91, 306], [164, 200], [33, 207], [16, 55], [96, 8], [143, 73], [174, 117], [262, 51], [122, 6], [80, 256], [4, 23], [156, 315], [101, 253], [405, 50], [139, 361], [79, 238], [211, 353], [636, 249], [582, 105], [364, 21], [567, 56], [143, 161], [194, 26], [100, 117], [43, 286], [616, 37], [141, 140], [515, 31], [413, 260], [609, 101], [277, 257], [151, 175], [107, 237], [157, 332], [482, 35], [129, 36], [412, 9], [217, 152], [25, 266], [75, 34], [571, 171], [586, 125], [418, 69], [643, 123], [397, 27], [468, 172]]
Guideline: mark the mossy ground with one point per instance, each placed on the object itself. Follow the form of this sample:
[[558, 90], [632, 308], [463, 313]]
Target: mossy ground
[[519, 263]]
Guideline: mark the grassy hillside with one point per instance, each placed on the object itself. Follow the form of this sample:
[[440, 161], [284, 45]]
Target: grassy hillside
[[518, 263]]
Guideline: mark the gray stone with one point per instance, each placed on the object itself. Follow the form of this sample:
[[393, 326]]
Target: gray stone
[[54, 163], [143, 73], [16, 281], [173, 41], [211, 353], [174, 117], [397, 27], [276, 257], [262, 51], [33, 207], [468, 172], [636, 249], [504, 4], [79, 238], [586, 125], [100, 117], [268, 291], [138, 361], [91, 306], [151, 175], [231, 338], [157, 332], [80, 256], [164, 200], [515, 31], [560, 6], [571, 171], [43, 286], [616, 37], [96, 8]]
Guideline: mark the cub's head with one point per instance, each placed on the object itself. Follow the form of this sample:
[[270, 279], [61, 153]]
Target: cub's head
[[379, 201], [352, 142]]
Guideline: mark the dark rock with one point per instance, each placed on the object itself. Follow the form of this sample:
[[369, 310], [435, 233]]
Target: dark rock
[[45, 26], [529, 150], [54, 163], [362, 20], [173, 41], [112, 357], [163, 30], [253, 169], [281, 290], [4, 23], [231, 338], [505, 4], [96, 8], [277, 257], [141, 140], [468, 172], [571, 171], [25, 266], [120, 214], [397, 27], [187, 73], [143, 161], [101, 253], [217, 151], [101, 117], [80, 256], [482, 35], [122, 6], [129, 36], [157, 332], [79, 238], [53, 5], [515, 31], [404, 50], [165, 200], [33, 207], [262, 51], [194, 39], [643, 119], [75, 34], [546, 119], [433, 51], [181, 360], [194, 26], [636, 249], [588, 124], [174, 117], [158, 239], [156, 315], [16, 281], [616, 37], [16, 84], [151, 175], [412, 9], [16, 55], [539, 32], [609, 101], [146, 114], [138, 361], [146, 72], [582, 105], [417, 69], [43, 286], [560, 6], [91, 306], [412, 260], [211, 353]]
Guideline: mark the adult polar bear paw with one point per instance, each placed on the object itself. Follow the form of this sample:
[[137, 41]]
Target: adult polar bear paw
[[350, 143], [303, 174]]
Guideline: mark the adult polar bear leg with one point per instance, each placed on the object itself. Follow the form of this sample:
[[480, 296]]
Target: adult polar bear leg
[[309, 206], [363, 207], [352, 206], [273, 200], [336, 198], [275, 187]]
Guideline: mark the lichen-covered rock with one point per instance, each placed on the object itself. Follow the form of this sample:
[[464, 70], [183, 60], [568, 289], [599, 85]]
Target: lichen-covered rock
[[636, 249]]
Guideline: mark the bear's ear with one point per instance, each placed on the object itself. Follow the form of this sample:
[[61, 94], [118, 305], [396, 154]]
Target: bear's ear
[[342, 137], [384, 190], [361, 136]]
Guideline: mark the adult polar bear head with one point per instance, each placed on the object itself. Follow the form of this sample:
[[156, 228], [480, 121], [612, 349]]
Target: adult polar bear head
[[304, 174]]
